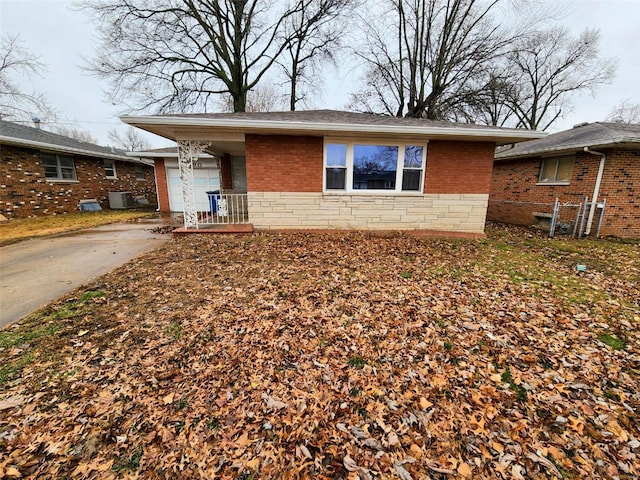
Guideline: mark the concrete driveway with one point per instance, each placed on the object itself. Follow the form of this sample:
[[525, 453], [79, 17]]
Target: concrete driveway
[[35, 272]]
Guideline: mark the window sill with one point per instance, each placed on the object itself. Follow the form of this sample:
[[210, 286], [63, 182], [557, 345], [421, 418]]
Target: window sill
[[61, 180], [110, 178], [552, 184], [371, 193]]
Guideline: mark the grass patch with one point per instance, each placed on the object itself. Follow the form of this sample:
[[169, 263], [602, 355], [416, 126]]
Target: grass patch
[[20, 336], [611, 340], [128, 463], [357, 362], [24, 228], [520, 391], [174, 329], [12, 369]]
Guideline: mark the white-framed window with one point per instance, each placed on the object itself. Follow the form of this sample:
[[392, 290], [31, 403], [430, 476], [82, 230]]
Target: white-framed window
[[359, 166], [556, 170], [110, 169], [58, 167], [139, 170]]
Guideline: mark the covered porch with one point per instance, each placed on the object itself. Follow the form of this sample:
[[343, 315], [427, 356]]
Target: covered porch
[[210, 206]]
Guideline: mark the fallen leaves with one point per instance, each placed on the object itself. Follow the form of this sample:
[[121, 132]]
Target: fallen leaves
[[336, 356]]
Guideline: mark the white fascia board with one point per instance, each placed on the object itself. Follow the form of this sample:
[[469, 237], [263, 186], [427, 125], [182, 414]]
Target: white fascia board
[[506, 136], [60, 148], [144, 155]]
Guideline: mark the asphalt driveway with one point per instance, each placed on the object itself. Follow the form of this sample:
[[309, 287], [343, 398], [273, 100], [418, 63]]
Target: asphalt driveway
[[37, 271]]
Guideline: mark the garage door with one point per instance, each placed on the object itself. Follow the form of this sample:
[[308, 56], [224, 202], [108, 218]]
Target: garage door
[[204, 180]]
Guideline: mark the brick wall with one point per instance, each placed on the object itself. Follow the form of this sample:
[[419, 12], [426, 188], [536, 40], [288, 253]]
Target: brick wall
[[162, 185], [283, 163], [24, 191], [459, 167], [516, 181]]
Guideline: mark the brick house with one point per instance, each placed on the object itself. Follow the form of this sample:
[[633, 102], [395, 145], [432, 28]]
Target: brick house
[[328, 169], [44, 173], [600, 161]]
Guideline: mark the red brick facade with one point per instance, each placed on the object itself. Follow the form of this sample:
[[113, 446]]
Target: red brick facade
[[24, 191], [459, 167], [162, 185], [279, 163], [284, 163], [516, 181]]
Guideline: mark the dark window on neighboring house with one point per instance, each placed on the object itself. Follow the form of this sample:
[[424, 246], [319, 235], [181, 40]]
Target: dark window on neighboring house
[[110, 169], [556, 170], [58, 167], [139, 172]]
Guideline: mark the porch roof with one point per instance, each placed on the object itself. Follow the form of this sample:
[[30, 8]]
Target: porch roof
[[231, 127]]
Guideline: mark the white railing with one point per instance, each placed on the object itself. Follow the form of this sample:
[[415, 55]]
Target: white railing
[[225, 208]]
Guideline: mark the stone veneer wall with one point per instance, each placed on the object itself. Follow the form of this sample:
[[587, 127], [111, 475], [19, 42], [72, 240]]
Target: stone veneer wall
[[299, 210]]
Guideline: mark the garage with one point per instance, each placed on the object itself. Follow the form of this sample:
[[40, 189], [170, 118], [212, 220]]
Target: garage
[[205, 179]]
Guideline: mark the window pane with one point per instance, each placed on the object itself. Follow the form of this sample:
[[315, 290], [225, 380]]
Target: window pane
[[336, 155], [374, 167], [65, 161], [68, 173], [548, 170], [565, 168], [411, 180], [50, 166], [413, 156], [336, 178]]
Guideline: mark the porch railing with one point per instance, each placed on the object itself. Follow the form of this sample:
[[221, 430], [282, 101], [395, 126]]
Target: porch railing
[[224, 208]]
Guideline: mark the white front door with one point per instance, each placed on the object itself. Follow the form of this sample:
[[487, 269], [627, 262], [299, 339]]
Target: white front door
[[204, 180]]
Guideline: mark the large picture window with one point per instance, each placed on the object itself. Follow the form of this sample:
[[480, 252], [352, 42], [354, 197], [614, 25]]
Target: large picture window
[[556, 170], [360, 166], [58, 167]]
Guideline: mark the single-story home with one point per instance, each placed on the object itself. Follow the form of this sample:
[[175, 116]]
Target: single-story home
[[44, 173], [327, 169], [598, 161]]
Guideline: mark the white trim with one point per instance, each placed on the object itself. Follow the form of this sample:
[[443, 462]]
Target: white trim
[[163, 155], [60, 148], [113, 167], [324, 127], [350, 143]]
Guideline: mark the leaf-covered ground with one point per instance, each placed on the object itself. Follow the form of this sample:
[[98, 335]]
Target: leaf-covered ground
[[334, 356]]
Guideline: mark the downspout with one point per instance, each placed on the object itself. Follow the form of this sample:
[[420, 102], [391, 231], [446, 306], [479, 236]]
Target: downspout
[[155, 179], [596, 188]]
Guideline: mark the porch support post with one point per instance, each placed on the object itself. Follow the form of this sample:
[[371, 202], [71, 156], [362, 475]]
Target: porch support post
[[188, 152]]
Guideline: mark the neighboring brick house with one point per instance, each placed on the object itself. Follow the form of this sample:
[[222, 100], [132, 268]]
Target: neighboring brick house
[[600, 161], [44, 173], [327, 169]]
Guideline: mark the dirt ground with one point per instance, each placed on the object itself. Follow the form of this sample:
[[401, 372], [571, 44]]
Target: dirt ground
[[334, 356]]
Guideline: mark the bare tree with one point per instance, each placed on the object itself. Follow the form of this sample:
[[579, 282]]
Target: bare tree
[[180, 55], [548, 67], [314, 33], [131, 140], [16, 104], [74, 132], [424, 60], [625, 112]]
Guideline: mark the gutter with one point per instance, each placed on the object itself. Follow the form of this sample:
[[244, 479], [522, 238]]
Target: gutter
[[596, 188], [60, 148], [505, 135]]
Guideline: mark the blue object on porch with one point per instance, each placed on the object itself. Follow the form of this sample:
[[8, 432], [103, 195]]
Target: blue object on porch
[[213, 200]]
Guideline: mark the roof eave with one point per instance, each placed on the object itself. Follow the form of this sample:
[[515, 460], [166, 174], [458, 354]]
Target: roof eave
[[567, 150], [60, 148], [498, 135]]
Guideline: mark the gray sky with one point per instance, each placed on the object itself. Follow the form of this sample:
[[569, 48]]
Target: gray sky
[[61, 37]]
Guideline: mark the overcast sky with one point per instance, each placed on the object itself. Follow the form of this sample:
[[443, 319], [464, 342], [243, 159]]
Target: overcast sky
[[61, 37]]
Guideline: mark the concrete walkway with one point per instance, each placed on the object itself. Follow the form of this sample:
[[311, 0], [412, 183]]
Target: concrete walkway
[[35, 272]]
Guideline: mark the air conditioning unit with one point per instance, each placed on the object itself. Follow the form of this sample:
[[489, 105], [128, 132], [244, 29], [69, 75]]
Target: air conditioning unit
[[121, 200]]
